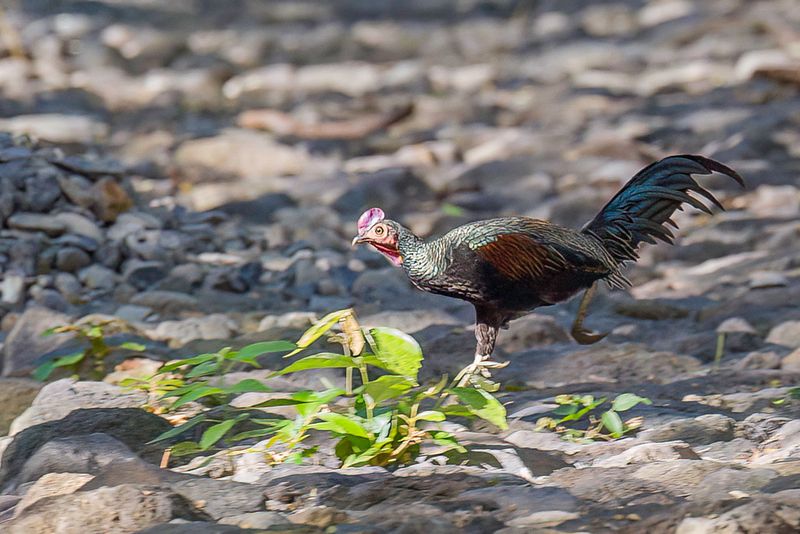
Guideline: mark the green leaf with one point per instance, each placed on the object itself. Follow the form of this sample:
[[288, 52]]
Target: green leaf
[[130, 345], [204, 369], [44, 370], [399, 352], [249, 353], [185, 447], [277, 402], [431, 415], [387, 387], [194, 394], [197, 419], [336, 422], [318, 329], [457, 410], [626, 401], [613, 423], [565, 409], [323, 360], [49, 332], [452, 210], [257, 433], [583, 411], [247, 385], [482, 404], [200, 358], [215, 433], [318, 396]]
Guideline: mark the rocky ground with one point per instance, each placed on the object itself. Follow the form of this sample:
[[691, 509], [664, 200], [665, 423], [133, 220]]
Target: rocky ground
[[195, 170]]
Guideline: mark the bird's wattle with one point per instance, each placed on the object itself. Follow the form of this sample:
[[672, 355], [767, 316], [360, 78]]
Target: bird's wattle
[[391, 253]]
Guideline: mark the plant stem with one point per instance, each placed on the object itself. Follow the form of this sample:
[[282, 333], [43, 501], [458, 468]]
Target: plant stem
[[348, 381], [720, 349]]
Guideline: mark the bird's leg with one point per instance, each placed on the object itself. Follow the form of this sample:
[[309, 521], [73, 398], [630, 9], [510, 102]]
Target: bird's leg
[[486, 336], [579, 333]]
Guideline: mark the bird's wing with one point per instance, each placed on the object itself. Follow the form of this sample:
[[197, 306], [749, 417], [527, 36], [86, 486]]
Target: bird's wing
[[521, 256]]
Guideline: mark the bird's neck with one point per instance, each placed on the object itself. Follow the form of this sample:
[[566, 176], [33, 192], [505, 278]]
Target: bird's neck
[[421, 260]]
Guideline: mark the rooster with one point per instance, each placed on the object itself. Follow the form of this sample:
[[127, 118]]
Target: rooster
[[508, 266]]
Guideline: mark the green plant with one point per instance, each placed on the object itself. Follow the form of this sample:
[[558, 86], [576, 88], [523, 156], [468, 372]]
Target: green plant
[[574, 408], [90, 358], [380, 417], [792, 395]]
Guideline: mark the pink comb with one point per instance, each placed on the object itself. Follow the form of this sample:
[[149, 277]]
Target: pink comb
[[369, 218]]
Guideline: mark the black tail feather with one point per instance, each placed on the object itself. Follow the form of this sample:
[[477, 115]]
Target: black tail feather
[[640, 211]]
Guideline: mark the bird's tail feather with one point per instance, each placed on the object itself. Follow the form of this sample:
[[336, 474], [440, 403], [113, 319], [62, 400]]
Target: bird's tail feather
[[641, 210]]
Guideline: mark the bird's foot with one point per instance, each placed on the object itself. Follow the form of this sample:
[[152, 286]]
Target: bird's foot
[[478, 370], [586, 337]]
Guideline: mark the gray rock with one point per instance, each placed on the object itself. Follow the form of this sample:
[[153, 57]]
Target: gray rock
[[221, 498], [12, 288], [263, 520], [133, 313], [143, 274], [700, 430], [57, 128], [41, 192], [25, 343], [51, 485], [132, 222], [16, 395], [165, 302], [57, 399], [109, 254], [531, 331], [512, 502], [786, 333], [80, 225], [240, 153], [77, 189], [791, 362], [80, 241], [50, 298], [648, 452], [75, 454], [719, 485], [409, 321], [781, 511], [98, 277], [36, 222], [214, 326], [738, 450], [71, 259], [129, 508], [69, 286], [132, 426]]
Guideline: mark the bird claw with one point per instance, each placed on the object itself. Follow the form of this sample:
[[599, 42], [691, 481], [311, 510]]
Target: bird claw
[[587, 337], [480, 367]]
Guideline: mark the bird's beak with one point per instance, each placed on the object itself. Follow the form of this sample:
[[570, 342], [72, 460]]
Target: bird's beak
[[357, 240]]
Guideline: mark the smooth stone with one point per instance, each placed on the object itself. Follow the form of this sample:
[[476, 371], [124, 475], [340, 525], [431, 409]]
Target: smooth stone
[[98, 277], [25, 343], [71, 259], [36, 222]]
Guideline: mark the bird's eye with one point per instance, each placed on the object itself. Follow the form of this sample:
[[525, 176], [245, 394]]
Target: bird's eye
[[379, 230]]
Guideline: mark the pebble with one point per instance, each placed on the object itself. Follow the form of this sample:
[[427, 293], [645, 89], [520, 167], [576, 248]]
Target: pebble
[[71, 259], [786, 333], [98, 277], [36, 222]]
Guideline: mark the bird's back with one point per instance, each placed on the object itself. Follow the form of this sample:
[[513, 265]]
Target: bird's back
[[515, 263]]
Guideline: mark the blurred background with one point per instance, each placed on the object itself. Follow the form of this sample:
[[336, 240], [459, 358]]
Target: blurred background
[[286, 119], [193, 171]]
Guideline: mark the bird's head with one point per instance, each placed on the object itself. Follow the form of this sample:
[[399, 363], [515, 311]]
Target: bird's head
[[374, 229]]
